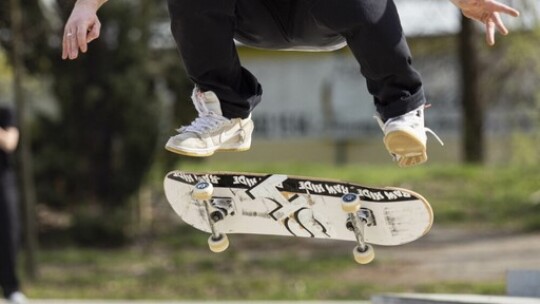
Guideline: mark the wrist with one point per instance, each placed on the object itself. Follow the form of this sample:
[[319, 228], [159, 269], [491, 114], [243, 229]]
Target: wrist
[[458, 3], [94, 4]]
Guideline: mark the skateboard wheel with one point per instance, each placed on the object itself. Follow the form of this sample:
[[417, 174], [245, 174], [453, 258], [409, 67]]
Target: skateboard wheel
[[219, 243], [350, 203], [203, 191], [364, 256]]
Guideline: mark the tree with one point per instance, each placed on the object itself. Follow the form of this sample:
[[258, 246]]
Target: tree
[[25, 158], [472, 97], [97, 153]]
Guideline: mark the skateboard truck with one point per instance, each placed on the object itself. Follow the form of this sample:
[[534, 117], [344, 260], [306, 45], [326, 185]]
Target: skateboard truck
[[221, 207], [365, 215], [357, 220], [202, 192]]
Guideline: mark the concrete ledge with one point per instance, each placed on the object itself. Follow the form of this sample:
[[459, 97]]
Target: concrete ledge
[[449, 299], [523, 283], [54, 301]]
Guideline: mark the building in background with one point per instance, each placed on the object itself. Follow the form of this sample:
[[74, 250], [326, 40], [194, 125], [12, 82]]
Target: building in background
[[324, 94]]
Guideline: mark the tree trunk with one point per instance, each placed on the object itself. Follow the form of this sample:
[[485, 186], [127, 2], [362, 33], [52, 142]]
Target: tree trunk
[[472, 103], [25, 158]]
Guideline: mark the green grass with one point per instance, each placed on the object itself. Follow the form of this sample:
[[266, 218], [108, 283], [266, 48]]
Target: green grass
[[192, 274], [275, 269], [177, 265], [482, 288]]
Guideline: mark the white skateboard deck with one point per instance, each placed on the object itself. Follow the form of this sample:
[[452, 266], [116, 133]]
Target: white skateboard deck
[[277, 204]]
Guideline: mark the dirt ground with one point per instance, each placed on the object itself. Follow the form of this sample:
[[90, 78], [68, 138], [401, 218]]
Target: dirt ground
[[456, 255], [452, 255]]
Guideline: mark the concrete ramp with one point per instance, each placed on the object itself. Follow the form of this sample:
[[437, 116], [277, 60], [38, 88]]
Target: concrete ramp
[[449, 299]]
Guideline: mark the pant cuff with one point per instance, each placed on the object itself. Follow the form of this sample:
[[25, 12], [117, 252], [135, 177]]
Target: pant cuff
[[402, 106]]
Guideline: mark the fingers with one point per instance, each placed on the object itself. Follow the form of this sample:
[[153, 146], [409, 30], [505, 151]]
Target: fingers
[[69, 43], [490, 33], [64, 47], [93, 32], [493, 23], [495, 6], [77, 38], [82, 27], [81, 43], [72, 42], [499, 24]]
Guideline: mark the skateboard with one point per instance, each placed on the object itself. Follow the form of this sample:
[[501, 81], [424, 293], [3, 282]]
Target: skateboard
[[222, 203]]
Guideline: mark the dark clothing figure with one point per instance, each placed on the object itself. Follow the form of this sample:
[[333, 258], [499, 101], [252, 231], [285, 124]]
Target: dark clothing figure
[[9, 215]]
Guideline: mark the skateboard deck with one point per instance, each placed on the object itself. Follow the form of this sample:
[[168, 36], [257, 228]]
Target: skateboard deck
[[277, 204]]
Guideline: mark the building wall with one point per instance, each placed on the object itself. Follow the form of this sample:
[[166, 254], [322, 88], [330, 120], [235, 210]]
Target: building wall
[[324, 94]]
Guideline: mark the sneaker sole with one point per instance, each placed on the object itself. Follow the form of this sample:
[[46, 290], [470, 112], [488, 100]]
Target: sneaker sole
[[404, 144], [189, 153], [234, 149], [199, 154]]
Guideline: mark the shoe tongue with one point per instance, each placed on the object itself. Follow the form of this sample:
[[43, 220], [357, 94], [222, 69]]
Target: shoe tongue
[[211, 102]]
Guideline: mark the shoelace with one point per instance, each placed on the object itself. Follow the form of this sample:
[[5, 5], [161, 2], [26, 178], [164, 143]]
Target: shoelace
[[427, 130], [206, 121]]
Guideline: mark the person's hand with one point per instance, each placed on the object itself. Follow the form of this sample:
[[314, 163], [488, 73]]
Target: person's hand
[[488, 12], [8, 139], [82, 27]]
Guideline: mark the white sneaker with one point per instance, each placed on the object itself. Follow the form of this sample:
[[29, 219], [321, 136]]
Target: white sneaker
[[211, 131], [405, 137], [17, 298]]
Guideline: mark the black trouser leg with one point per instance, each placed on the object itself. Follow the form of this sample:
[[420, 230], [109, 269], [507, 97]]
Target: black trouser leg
[[374, 34], [204, 32], [9, 234]]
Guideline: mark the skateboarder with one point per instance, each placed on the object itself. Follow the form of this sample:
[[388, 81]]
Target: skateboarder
[[225, 93]]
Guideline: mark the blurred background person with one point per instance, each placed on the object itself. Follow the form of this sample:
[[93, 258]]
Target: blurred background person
[[9, 210]]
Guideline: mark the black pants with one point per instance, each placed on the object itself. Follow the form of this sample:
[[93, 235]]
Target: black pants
[[204, 31], [9, 233]]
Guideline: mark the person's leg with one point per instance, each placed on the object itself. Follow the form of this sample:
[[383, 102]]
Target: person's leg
[[226, 93], [374, 35], [204, 32], [9, 236]]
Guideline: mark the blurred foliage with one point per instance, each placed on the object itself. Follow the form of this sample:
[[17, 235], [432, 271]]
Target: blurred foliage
[[524, 65], [36, 34], [96, 153], [100, 147]]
